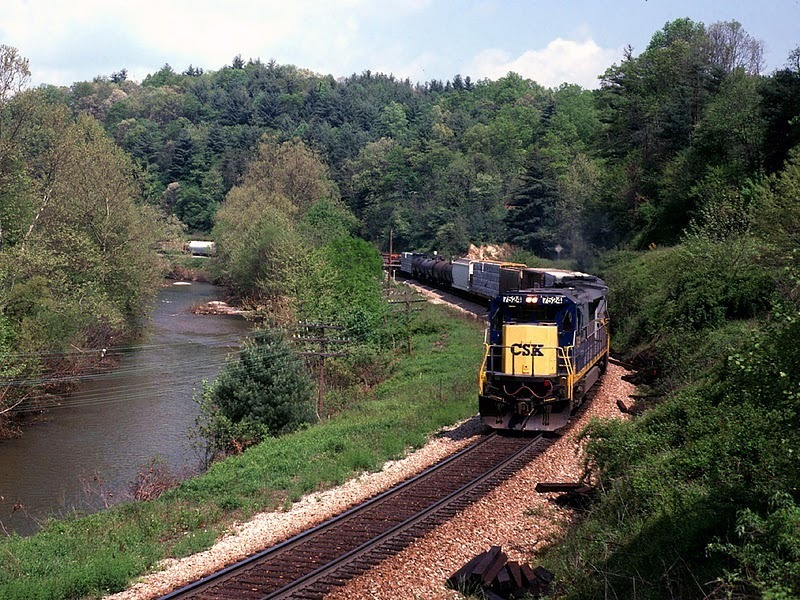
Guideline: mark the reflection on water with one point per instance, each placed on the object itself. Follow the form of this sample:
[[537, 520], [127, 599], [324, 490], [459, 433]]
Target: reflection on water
[[119, 421]]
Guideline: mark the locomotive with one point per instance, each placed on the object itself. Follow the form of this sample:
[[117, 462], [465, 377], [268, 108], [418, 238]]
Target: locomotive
[[547, 342]]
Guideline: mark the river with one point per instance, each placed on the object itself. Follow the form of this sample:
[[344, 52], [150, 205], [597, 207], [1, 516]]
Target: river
[[91, 447]]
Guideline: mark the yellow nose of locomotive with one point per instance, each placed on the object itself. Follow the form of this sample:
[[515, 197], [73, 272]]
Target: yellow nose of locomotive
[[530, 350]]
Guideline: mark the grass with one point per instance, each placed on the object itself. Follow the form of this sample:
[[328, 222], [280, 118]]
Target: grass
[[102, 553]]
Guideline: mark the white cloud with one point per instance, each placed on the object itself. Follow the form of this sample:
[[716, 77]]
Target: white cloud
[[560, 61], [73, 41]]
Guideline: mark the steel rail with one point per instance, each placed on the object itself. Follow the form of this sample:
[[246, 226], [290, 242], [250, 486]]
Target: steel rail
[[309, 579], [405, 526]]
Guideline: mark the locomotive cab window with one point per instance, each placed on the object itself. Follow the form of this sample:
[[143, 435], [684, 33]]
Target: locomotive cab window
[[528, 313], [567, 324]]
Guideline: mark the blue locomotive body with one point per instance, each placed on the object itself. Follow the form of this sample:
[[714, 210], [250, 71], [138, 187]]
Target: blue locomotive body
[[547, 342], [546, 345]]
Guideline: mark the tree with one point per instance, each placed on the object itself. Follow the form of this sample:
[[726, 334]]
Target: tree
[[732, 130], [529, 220], [14, 73], [292, 171], [651, 105], [267, 386], [119, 76], [15, 113], [577, 192], [165, 76], [258, 246], [394, 123], [780, 102], [77, 265], [730, 48]]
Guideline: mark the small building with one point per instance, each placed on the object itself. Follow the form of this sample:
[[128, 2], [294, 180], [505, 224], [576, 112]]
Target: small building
[[200, 248]]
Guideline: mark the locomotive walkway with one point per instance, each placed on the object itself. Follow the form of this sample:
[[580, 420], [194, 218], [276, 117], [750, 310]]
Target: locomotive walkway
[[314, 562]]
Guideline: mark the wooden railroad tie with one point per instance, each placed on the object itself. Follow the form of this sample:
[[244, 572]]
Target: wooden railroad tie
[[499, 578], [579, 488], [574, 495], [624, 406]]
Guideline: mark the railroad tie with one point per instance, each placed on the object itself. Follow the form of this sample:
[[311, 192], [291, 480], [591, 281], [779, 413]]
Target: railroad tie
[[498, 578]]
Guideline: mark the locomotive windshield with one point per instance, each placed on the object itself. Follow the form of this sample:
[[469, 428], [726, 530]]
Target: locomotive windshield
[[532, 313]]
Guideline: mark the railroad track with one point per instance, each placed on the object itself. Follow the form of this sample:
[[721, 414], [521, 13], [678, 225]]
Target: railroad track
[[310, 564]]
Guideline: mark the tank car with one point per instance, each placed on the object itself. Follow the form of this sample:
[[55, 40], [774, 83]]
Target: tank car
[[547, 343]]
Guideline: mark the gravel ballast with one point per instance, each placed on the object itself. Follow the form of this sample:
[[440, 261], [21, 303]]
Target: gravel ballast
[[513, 516], [269, 528]]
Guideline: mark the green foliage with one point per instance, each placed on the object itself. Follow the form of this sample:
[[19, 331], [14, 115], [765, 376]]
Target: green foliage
[[348, 288], [699, 491], [688, 470], [661, 299], [766, 550], [258, 246], [776, 214], [77, 260], [531, 219], [255, 254], [327, 220], [266, 387]]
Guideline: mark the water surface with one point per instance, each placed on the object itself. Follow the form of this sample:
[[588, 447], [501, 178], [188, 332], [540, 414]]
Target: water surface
[[96, 442]]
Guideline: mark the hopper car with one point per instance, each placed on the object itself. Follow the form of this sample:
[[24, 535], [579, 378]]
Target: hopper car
[[547, 341]]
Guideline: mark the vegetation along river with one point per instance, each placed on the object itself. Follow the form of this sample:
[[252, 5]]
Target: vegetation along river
[[116, 423]]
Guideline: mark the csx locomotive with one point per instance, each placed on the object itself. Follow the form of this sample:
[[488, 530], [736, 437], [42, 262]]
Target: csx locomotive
[[547, 341]]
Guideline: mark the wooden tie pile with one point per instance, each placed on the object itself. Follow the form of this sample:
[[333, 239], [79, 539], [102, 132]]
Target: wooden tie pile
[[498, 577]]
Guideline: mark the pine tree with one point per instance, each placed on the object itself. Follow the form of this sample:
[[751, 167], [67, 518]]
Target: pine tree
[[530, 217], [267, 385]]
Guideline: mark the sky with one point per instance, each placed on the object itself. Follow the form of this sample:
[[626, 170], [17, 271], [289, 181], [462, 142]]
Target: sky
[[549, 41]]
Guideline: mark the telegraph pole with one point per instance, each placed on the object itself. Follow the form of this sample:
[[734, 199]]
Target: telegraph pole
[[407, 299], [313, 336]]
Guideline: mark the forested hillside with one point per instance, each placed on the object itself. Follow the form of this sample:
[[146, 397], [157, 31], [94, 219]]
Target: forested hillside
[[678, 180], [686, 122]]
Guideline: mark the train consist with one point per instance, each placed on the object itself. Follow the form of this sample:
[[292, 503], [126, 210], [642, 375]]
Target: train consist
[[547, 341]]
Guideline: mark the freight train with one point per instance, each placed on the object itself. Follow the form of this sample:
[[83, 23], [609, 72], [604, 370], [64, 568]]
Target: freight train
[[547, 341]]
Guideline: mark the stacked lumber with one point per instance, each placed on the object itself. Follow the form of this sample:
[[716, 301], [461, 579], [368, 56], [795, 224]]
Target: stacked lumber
[[498, 577]]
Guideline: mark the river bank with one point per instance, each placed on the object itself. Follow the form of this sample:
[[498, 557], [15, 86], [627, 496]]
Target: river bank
[[88, 450]]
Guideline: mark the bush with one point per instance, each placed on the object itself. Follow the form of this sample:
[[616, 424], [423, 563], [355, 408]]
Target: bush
[[666, 302], [266, 387]]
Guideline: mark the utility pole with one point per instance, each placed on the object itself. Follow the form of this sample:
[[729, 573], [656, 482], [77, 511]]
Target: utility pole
[[408, 299], [389, 262], [391, 258], [312, 338]]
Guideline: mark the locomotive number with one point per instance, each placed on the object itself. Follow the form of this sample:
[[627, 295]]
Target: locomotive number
[[512, 300], [552, 299]]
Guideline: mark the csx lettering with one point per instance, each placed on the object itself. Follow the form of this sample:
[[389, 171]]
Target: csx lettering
[[527, 349]]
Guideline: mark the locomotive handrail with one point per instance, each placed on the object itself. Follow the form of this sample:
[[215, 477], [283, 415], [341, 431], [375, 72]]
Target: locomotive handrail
[[570, 359], [495, 352]]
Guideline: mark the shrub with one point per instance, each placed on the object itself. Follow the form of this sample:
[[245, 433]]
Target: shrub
[[267, 386]]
